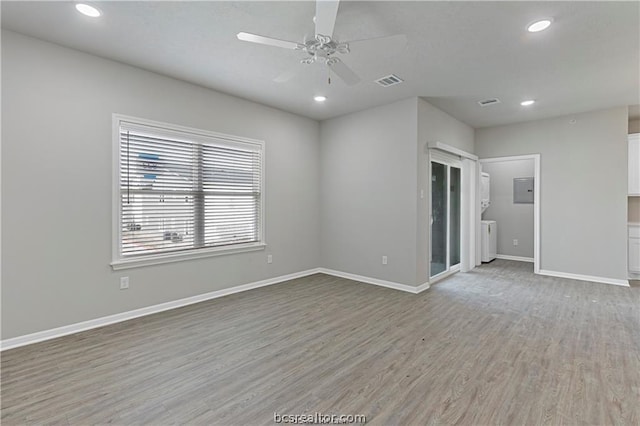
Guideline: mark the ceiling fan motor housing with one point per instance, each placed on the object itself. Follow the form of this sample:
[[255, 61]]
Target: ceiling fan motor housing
[[322, 47]]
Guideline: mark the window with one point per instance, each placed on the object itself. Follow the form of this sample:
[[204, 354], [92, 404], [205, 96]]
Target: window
[[183, 193]]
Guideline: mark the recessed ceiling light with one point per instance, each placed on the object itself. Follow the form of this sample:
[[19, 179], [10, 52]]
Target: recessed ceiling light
[[527, 103], [539, 26], [87, 10], [319, 98]]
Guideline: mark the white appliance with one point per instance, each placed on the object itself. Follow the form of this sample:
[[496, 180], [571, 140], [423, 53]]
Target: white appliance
[[489, 240], [634, 164], [485, 191], [634, 250]]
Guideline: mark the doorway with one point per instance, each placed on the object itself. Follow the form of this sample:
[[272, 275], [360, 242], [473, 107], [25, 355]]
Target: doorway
[[518, 227], [446, 214]]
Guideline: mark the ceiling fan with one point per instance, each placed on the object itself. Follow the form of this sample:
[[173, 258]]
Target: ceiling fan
[[323, 47]]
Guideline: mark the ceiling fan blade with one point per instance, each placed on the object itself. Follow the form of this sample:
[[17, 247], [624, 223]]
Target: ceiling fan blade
[[326, 11], [344, 72], [288, 75], [254, 38], [379, 46]]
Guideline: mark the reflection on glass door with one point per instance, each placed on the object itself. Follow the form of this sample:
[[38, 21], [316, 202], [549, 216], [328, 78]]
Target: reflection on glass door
[[445, 217], [438, 218], [454, 216]]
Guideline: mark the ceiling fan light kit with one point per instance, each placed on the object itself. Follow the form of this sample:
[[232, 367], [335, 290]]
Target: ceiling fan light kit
[[323, 48]]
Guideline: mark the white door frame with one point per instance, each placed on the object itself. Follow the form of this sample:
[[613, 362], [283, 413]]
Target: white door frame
[[536, 201], [448, 162], [451, 157]]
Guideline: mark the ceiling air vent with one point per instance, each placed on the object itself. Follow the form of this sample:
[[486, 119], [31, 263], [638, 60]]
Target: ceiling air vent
[[488, 102], [389, 80]]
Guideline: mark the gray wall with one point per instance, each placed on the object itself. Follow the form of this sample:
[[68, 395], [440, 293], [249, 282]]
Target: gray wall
[[515, 221], [583, 187], [368, 185], [433, 125], [634, 126], [374, 166], [56, 186]]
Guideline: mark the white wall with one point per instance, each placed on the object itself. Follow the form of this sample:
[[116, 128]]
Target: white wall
[[433, 125], [56, 186], [583, 187], [515, 221], [368, 186]]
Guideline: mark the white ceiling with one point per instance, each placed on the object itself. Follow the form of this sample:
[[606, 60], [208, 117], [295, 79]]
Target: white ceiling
[[458, 52]]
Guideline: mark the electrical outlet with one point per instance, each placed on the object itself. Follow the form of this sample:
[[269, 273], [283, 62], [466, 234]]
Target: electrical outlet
[[384, 260], [124, 283], [515, 242], [269, 258]]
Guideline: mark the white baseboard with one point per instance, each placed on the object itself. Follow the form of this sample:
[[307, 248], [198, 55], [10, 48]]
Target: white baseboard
[[590, 278], [375, 281], [124, 316], [53, 333], [516, 258], [423, 287]]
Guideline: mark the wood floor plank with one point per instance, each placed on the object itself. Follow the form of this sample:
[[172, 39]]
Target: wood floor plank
[[498, 345]]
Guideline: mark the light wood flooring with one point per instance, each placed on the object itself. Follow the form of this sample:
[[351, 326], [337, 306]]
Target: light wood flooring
[[498, 345]]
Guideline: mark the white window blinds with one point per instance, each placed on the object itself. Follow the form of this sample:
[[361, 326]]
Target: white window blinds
[[184, 191]]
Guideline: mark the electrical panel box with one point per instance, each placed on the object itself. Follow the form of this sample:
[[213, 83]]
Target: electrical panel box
[[523, 190]]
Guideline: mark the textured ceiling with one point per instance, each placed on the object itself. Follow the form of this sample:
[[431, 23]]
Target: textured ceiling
[[457, 53]]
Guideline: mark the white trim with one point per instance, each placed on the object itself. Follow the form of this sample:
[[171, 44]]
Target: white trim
[[447, 191], [536, 214], [468, 220], [478, 215], [536, 200], [184, 129], [54, 333], [186, 255], [423, 287], [445, 274], [508, 158], [516, 258], [445, 158], [448, 161], [124, 316], [116, 205], [199, 136], [469, 226], [453, 150], [589, 278], [374, 281]]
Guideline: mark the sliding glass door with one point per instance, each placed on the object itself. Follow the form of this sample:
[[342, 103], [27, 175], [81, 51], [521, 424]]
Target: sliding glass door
[[445, 215]]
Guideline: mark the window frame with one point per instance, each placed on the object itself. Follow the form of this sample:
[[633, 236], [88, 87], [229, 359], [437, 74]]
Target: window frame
[[119, 262]]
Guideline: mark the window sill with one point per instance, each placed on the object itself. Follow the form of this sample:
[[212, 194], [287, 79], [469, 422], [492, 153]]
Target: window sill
[[179, 257]]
